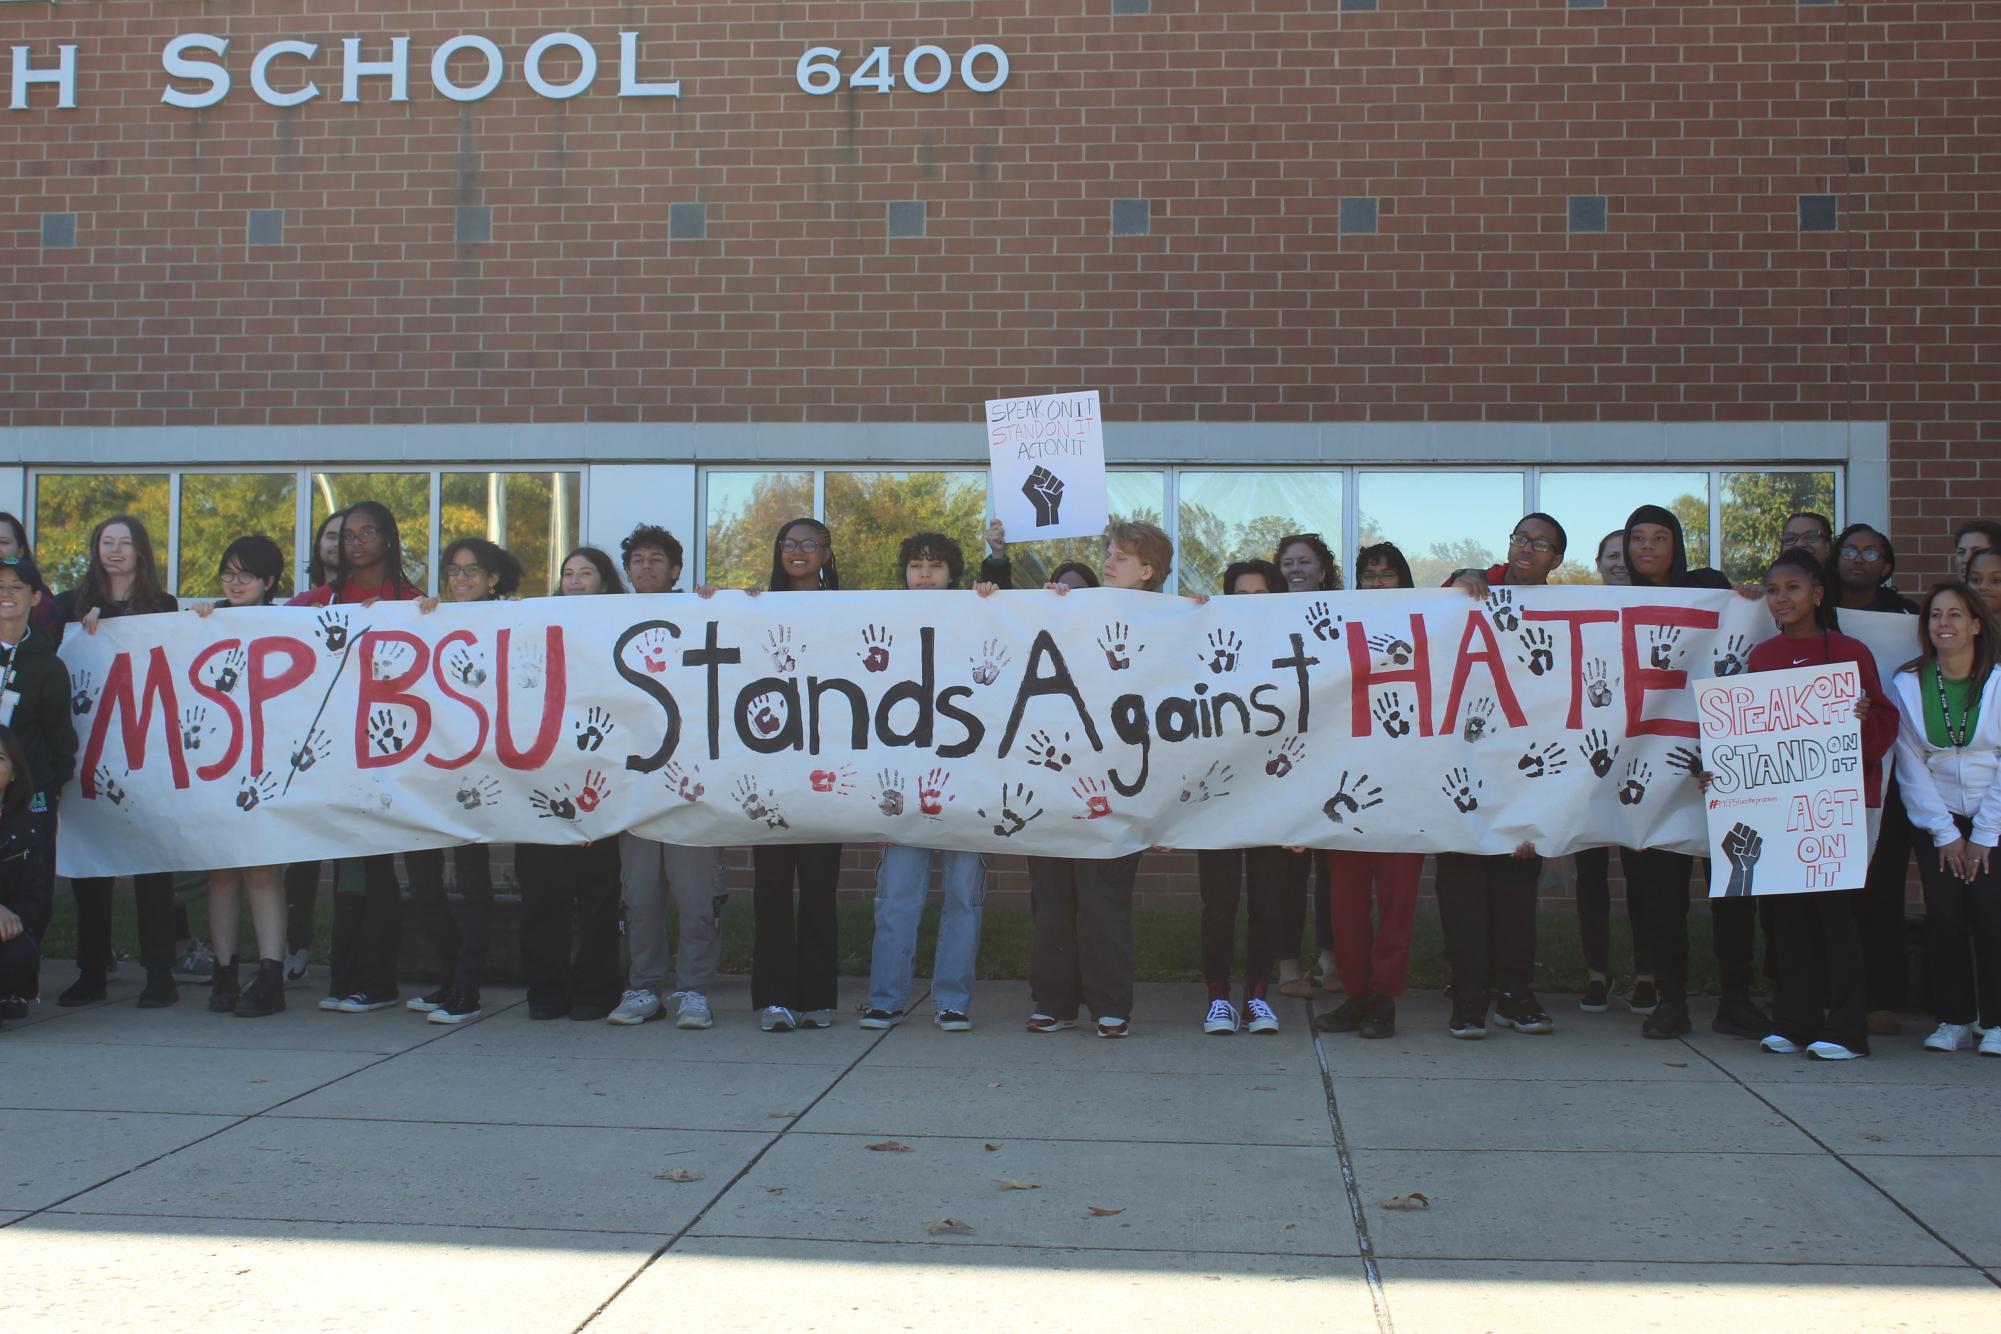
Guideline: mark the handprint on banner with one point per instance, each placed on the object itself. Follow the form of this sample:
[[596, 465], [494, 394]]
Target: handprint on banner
[[1290, 753], [890, 802], [784, 654], [931, 795], [107, 787], [193, 723], [594, 728], [229, 670], [557, 805], [1118, 646], [1733, 657], [765, 713], [388, 731], [1214, 782], [685, 784], [1352, 796], [525, 667], [1095, 796], [465, 668], [1463, 789], [474, 793], [316, 747], [1547, 758], [1538, 650], [1389, 713], [1048, 753], [1743, 846], [595, 790], [655, 649], [1686, 759], [1396, 652], [1600, 751], [874, 651], [1663, 646], [987, 667], [1009, 819], [1044, 490], [1501, 607], [332, 630], [1634, 790], [840, 782], [1597, 687], [84, 699], [255, 790], [1326, 626], [392, 658], [1479, 714], [756, 805], [1224, 649]]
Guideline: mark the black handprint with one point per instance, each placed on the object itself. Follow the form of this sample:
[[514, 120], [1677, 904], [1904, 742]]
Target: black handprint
[[1664, 642], [1044, 490], [83, 700], [1115, 643], [1397, 651], [593, 728], [1597, 688], [231, 670], [474, 793], [311, 751], [461, 665], [1732, 657], [1047, 753], [1464, 789], [1011, 821], [1289, 753], [256, 789], [1501, 606], [386, 730], [1548, 758], [1743, 845], [987, 667], [891, 800], [1540, 650], [558, 805], [1685, 759], [112, 792], [1351, 797], [1634, 790], [1214, 782], [1600, 751], [1478, 714], [191, 726], [332, 630], [1326, 627], [1224, 646], [1389, 712]]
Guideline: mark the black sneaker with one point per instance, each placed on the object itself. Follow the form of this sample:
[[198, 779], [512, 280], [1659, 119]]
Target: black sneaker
[[1379, 1019], [223, 988], [1522, 1012], [266, 993], [14, 1007], [1644, 998], [878, 1019], [159, 991], [545, 1009], [429, 1001], [1669, 1020], [1737, 1017], [1597, 996], [88, 989], [1469, 1019], [1345, 1018]]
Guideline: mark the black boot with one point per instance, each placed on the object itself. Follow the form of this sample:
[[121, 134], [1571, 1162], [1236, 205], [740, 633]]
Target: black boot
[[1669, 1020], [88, 989], [223, 988], [266, 992], [159, 991]]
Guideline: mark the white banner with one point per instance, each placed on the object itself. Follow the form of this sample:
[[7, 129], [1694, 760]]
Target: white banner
[[1090, 725], [1786, 803], [1047, 458]]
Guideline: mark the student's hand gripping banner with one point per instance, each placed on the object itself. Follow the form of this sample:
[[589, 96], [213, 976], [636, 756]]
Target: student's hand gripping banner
[[1089, 725], [1786, 804]]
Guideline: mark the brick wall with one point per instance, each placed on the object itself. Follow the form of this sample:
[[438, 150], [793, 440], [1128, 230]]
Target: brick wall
[[1243, 123]]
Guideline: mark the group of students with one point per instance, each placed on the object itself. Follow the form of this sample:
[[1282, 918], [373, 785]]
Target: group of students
[[1836, 959]]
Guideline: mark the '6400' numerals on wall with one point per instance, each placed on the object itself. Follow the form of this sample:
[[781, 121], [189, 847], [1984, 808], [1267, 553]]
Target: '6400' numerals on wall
[[926, 69]]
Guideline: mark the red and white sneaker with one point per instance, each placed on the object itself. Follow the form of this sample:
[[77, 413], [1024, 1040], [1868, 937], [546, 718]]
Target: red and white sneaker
[[1221, 1021], [1258, 1016], [1111, 1026], [1048, 1023]]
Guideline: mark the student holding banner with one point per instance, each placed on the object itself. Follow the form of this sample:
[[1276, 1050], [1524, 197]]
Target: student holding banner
[[1309, 567], [35, 708], [1949, 762], [302, 879]]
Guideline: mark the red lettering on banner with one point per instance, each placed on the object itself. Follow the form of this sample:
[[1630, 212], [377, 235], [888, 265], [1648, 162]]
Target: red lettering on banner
[[1497, 668], [555, 689], [478, 709], [215, 769], [265, 687], [371, 694], [1363, 674], [1642, 681], [135, 719], [1577, 620]]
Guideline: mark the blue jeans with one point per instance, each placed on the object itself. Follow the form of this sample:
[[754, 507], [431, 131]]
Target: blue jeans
[[902, 880]]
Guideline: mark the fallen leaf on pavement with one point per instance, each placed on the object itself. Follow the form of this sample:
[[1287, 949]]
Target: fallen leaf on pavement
[[1289, 1227], [1675, 1065], [1874, 1138], [889, 1146], [1100, 1211], [991, 1148], [1417, 1199], [1263, 1088], [780, 1115], [774, 1190], [950, 1227], [1009, 1183], [994, 1084], [677, 1174]]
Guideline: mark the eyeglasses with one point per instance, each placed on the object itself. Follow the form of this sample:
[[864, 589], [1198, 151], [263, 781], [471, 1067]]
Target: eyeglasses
[[236, 577], [465, 571], [1802, 539], [368, 534], [1867, 554], [1541, 546], [809, 545]]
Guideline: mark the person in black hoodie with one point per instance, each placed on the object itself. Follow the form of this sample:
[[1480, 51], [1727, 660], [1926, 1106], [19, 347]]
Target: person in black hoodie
[[1657, 879], [25, 881], [35, 709]]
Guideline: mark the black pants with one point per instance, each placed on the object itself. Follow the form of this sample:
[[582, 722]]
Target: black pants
[[1486, 909], [1820, 992], [1594, 911], [302, 904], [1306, 880], [1657, 881], [795, 958], [154, 896], [1962, 939], [367, 928], [461, 939], [1264, 875], [1083, 935], [1879, 908], [569, 894], [21, 966]]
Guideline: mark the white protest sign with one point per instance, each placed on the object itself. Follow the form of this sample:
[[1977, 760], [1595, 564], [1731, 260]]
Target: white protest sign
[[1786, 808], [1048, 454]]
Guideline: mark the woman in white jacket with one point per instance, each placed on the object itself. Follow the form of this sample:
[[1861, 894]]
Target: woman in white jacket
[[1949, 762]]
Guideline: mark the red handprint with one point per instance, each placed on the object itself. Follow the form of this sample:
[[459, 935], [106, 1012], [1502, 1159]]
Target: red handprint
[[931, 796], [595, 791], [840, 781], [1092, 792]]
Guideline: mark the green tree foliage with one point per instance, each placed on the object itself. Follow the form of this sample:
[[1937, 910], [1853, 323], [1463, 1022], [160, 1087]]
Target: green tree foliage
[[69, 505], [738, 541], [218, 508], [1208, 542], [407, 496], [1755, 508], [871, 513], [532, 514]]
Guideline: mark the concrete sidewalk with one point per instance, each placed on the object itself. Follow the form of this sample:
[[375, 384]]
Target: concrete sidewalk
[[176, 1169]]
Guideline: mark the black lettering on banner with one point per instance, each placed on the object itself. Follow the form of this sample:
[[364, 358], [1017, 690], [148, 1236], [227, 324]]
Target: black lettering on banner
[[1129, 721], [654, 690], [1277, 714], [758, 725], [976, 731], [1299, 662], [921, 692], [713, 659], [857, 711], [1057, 682]]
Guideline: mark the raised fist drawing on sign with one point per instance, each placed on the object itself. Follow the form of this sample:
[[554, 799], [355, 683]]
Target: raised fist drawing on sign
[[1044, 490]]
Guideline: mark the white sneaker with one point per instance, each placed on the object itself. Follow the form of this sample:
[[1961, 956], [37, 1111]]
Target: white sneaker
[[816, 1018], [330, 1003], [636, 1007], [694, 1011], [1950, 1037], [429, 1001], [1780, 1045], [953, 1021], [196, 963], [1112, 1026], [1990, 1044], [296, 964], [361, 1003], [1258, 1017], [777, 1019], [1221, 1020], [1834, 1051], [448, 1013]]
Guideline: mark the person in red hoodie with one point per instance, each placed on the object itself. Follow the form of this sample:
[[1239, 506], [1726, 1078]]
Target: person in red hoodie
[[1820, 947]]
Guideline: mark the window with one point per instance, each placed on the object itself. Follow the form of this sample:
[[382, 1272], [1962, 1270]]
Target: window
[[1228, 516], [1441, 520], [532, 514], [744, 512], [218, 508], [1591, 504], [1755, 506], [407, 495], [69, 505], [1137, 497], [871, 513]]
